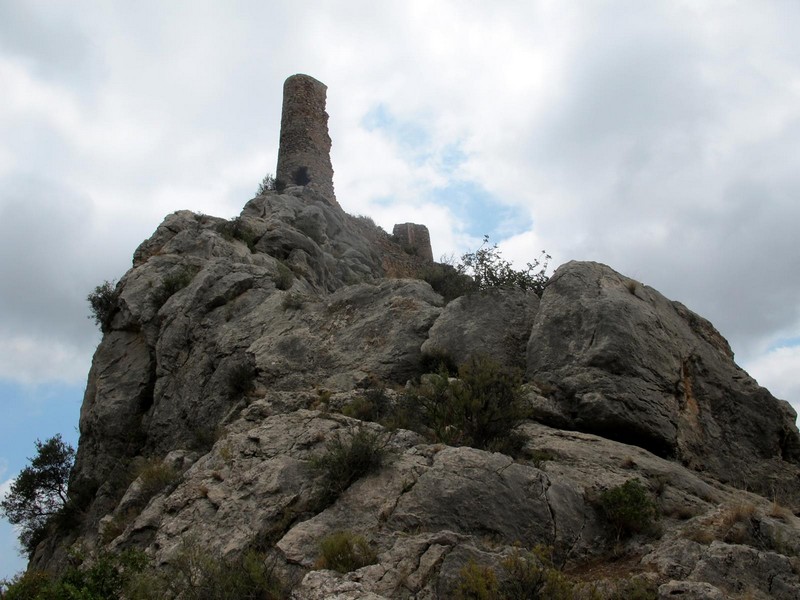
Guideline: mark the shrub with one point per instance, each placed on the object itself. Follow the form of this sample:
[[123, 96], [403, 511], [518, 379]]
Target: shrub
[[489, 270], [38, 496], [373, 405], [477, 583], [629, 509], [104, 577], [522, 576], [448, 281], [30, 585], [284, 277], [360, 408], [346, 459], [237, 229], [533, 575], [103, 302], [480, 409], [173, 283], [437, 361], [240, 378], [196, 574], [267, 184], [292, 301], [154, 477], [345, 551], [635, 588]]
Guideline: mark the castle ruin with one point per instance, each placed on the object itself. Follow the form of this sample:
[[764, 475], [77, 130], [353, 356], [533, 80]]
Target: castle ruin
[[304, 154]]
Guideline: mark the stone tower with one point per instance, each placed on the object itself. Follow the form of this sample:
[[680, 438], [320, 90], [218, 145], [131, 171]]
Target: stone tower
[[304, 153], [414, 239]]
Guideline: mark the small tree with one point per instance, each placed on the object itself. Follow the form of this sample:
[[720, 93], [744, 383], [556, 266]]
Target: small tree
[[103, 302], [629, 509], [39, 493], [490, 270], [268, 184]]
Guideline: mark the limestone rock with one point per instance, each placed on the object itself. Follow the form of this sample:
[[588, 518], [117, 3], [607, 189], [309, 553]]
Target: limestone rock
[[690, 590], [638, 368], [494, 323], [235, 346]]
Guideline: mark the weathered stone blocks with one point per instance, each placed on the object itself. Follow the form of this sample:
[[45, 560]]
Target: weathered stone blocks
[[304, 155], [414, 239]]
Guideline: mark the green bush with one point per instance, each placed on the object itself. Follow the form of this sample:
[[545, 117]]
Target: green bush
[[154, 477], [241, 377], [448, 281], [267, 184], [489, 270], [237, 229], [526, 575], [437, 361], [103, 302], [346, 459], [38, 497], [480, 409], [629, 509], [284, 277], [373, 405], [477, 583], [533, 575], [174, 282], [103, 578], [29, 585], [196, 574], [193, 574], [345, 551]]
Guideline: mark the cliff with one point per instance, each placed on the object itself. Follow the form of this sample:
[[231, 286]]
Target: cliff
[[240, 355]]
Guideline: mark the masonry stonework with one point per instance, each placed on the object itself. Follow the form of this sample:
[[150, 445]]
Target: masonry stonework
[[304, 153], [414, 239]]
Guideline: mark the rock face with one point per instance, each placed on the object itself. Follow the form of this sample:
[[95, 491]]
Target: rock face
[[641, 369], [235, 349]]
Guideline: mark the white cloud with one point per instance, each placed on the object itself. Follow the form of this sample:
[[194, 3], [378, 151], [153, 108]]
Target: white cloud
[[38, 359], [777, 370], [5, 484], [5, 487], [661, 138]]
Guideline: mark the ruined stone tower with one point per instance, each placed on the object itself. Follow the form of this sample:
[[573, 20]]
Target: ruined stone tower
[[414, 239], [304, 153]]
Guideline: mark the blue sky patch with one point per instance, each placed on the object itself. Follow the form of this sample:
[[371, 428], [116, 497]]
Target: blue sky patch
[[481, 212], [31, 413]]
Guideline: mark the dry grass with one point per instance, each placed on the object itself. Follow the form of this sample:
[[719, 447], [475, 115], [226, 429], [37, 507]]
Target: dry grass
[[780, 512], [737, 513]]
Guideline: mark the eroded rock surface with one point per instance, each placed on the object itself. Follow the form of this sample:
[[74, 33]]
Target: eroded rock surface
[[235, 345], [642, 369]]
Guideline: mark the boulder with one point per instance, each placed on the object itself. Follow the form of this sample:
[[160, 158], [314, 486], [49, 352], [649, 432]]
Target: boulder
[[622, 361], [492, 323]]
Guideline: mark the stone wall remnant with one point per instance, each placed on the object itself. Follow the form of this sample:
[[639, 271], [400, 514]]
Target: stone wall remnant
[[304, 153], [414, 239]]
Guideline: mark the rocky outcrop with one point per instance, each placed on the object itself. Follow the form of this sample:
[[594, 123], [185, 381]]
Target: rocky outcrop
[[235, 344], [235, 348], [493, 323], [639, 368], [288, 296]]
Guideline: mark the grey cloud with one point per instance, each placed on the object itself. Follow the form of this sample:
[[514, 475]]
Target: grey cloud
[[52, 40], [50, 259]]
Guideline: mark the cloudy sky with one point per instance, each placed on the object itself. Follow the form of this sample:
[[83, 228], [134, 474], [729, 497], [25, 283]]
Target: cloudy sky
[[661, 138]]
